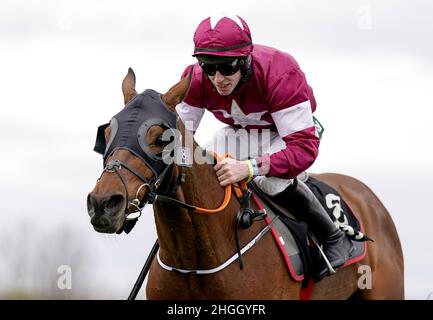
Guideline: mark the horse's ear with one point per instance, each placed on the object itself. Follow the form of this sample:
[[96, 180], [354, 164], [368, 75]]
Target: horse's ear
[[176, 93], [128, 86]]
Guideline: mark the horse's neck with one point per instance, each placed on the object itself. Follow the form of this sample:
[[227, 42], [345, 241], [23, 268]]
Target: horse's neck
[[193, 240]]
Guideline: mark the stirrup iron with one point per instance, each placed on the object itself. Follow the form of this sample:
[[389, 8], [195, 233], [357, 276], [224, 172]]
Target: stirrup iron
[[328, 264]]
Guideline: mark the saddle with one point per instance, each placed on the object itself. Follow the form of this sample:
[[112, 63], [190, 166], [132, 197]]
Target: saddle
[[298, 244]]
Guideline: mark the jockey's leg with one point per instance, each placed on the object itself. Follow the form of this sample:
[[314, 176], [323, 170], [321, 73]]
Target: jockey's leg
[[302, 202]]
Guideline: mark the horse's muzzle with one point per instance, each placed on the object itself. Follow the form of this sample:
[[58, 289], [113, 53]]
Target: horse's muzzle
[[106, 213]]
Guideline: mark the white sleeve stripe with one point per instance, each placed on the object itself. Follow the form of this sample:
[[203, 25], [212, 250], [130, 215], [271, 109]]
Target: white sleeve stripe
[[293, 119], [190, 113]]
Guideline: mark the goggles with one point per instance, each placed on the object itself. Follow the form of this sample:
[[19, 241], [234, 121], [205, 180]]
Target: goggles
[[226, 69]]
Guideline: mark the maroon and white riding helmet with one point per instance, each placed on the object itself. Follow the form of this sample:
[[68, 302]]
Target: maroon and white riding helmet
[[223, 35]]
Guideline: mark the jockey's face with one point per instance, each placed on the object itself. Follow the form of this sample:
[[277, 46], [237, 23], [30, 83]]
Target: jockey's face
[[225, 84]]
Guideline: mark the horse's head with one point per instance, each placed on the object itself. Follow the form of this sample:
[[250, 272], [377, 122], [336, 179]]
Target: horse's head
[[134, 145]]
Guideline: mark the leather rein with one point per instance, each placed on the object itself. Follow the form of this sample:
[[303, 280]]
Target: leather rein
[[115, 166]]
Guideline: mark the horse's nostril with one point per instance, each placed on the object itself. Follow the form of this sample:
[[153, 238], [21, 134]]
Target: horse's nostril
[[91, 202], [94, 219], [97, 207], [113, 201]]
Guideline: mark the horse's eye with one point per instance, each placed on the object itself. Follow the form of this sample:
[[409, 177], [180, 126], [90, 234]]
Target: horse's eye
[[159, 142]]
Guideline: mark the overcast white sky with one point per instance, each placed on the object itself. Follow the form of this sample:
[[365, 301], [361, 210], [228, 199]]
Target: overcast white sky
[[62, 62]]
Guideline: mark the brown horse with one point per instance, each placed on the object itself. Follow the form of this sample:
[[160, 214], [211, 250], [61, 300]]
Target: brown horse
[[191, 240]]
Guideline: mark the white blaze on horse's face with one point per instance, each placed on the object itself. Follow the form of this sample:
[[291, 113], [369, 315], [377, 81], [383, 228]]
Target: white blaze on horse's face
[[225, 84]]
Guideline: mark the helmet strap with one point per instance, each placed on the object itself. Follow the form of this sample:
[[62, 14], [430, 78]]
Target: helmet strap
[[246, 70]]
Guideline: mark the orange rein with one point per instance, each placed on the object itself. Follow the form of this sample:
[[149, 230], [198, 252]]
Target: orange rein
[[227, 195]]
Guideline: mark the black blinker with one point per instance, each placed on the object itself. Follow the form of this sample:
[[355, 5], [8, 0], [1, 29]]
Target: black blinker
[[100, 143]]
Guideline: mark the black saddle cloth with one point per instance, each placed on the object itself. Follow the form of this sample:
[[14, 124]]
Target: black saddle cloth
[[337, 209]]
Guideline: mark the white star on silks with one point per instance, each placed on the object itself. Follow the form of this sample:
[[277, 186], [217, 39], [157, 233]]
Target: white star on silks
[[215, 18], [239, 117]]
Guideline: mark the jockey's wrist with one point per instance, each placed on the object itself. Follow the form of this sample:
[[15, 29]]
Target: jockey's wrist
[[254, 167], [251, 171]]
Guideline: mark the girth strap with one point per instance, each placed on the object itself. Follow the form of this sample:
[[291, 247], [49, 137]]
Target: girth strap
[[229, 261]]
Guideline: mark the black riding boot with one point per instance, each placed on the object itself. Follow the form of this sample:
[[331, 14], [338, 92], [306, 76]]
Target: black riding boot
[[302, 202]]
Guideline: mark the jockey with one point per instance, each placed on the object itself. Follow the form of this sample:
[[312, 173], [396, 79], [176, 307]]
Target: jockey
[[261, 93]]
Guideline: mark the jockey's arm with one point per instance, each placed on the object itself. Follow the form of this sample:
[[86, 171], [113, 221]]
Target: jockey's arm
[[291, 102], [299, 154]]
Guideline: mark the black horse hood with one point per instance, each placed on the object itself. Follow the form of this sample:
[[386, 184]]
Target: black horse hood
[[130, 125]]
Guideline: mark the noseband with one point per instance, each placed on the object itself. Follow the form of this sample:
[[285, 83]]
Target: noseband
[[115, 166]]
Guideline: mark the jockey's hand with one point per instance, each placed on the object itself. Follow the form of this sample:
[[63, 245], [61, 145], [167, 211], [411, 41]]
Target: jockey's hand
[[231, 170]]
